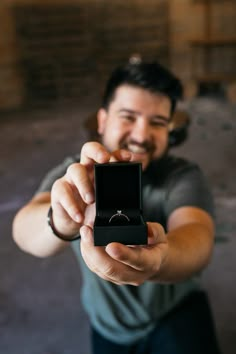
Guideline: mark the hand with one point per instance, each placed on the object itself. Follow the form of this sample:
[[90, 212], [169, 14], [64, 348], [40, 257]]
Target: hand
[[122, 264], [72, 196]]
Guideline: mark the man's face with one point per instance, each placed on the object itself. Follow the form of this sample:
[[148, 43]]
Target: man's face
[[136, 120]]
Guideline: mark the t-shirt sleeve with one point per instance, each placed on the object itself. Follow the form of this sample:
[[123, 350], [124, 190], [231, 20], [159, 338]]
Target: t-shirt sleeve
[[54, 174], [189, 187]]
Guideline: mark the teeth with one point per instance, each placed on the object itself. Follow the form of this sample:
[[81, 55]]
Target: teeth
[[136, 149]]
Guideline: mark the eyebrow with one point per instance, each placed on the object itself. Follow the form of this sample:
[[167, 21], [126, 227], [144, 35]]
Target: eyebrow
[[157, 116]]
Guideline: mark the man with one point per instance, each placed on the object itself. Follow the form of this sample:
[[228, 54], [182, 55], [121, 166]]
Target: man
[[140, 299]]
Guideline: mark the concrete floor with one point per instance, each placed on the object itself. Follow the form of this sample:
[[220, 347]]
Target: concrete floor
[[40, 311]]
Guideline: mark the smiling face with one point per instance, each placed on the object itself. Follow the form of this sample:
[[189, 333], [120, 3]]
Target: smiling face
[[136, 120]]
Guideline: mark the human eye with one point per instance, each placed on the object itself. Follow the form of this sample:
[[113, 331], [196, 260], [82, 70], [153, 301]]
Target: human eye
[[128, 117], [159, 123]]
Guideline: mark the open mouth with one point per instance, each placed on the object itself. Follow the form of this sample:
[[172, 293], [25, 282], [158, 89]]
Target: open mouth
[[141, 151], [137, 149]]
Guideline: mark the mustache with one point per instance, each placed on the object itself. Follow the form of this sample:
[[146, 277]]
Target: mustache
[[147, 145]]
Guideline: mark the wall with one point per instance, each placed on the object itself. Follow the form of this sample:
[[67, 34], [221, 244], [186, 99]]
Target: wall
[[11, 90], [62, 48], [104, 35], [211, 57]]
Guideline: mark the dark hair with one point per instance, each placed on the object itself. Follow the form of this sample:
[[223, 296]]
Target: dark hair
[[151, 76]]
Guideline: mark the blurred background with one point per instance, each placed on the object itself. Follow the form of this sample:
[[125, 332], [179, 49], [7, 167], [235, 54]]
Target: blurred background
[[55, 56]]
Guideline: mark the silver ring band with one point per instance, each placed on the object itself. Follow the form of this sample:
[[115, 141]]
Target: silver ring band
[[118, 215]]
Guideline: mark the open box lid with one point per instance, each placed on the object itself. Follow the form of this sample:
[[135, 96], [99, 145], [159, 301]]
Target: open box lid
[[118, 187]]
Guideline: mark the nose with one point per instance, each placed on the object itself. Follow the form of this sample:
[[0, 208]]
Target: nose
[[140, 130]]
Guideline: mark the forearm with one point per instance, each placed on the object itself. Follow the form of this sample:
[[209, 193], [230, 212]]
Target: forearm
[[32, 233], [189, 251]]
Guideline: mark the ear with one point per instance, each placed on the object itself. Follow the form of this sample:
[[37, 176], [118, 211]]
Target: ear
[[101, 119]]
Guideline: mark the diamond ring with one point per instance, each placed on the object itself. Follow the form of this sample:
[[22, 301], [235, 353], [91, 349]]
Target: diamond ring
[[118, 215]]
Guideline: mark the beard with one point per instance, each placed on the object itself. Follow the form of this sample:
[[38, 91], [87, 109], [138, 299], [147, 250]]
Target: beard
[[147, 147]]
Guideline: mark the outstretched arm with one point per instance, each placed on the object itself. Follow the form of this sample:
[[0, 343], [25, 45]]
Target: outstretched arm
[[171, 257], [31, 231], [72, 201]]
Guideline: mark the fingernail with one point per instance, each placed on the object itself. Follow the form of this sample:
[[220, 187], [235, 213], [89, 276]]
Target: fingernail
[[89, 198], [102, 156], [126, 154], [78, 218]]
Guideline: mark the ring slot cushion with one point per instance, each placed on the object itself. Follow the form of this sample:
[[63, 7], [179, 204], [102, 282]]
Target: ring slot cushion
[[118, 186]]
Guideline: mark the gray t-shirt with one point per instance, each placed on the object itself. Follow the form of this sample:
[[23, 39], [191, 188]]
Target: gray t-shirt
[[126, 313]]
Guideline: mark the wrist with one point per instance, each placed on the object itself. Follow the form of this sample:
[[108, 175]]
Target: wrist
[[56, 232], [161, 274]]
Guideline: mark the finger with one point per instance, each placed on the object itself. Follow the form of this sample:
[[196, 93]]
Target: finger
[[137, 257], [89, 215], [102, 264], [94, 152], [64, 201], [121, 155], [141, 257], [95, 257], [156, 233], [78, 177]]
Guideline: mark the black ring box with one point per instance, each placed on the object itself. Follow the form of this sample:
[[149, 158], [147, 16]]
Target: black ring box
[[118, 186]]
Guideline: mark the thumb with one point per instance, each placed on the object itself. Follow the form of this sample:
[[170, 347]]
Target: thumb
[[156, 233]]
